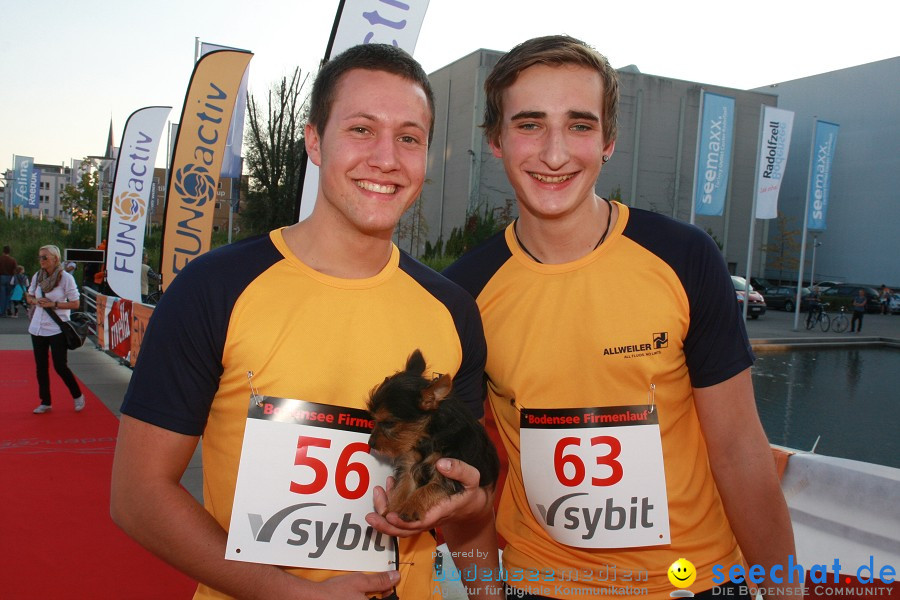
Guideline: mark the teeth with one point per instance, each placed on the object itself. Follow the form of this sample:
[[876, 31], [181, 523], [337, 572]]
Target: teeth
[[550, 178], [375, 187]]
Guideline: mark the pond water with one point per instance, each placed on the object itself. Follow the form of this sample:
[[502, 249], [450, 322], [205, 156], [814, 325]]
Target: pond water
[[849, 397]]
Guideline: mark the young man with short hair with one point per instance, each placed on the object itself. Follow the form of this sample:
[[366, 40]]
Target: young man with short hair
[[618, 364], [304, 323]]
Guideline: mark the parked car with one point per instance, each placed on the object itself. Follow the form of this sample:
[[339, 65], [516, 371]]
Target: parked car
[[756, 306], [783, 297], [761, 285], [844, 293]]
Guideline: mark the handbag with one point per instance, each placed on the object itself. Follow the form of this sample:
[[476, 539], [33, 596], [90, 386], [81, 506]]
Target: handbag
[[75, 329]]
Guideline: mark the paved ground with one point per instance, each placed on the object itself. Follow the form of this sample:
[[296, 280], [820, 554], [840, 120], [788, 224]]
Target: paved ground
[[108, 378]]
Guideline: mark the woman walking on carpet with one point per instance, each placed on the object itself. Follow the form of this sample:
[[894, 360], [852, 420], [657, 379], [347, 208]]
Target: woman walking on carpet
[[52, 289]]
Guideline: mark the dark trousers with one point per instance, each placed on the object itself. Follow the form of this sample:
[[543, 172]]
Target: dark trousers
[[857, 318], [56, 344], [5, 293], [728, 591]]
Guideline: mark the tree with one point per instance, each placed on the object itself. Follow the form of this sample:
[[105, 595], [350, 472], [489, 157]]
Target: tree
[[81, 200], [481, 223], [784, 252], [274, 155], [412, 229]]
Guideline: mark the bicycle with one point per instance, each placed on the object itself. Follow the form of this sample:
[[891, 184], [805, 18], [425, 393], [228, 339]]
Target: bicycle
[[153, 297], [840, 322], [820, 317]]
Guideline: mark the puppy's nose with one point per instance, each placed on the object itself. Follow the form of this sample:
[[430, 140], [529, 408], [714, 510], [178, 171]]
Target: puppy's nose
[[373, 440]]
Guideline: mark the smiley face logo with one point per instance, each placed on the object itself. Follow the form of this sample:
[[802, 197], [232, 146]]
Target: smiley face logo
[[682, 573]]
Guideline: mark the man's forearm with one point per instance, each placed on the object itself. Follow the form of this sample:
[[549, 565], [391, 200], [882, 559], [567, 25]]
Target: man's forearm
[[473, 546]]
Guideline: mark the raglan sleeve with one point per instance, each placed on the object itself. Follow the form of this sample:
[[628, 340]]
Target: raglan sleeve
[[180, 361]]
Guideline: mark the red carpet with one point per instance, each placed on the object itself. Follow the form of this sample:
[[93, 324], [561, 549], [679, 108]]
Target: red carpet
[[57, 541]]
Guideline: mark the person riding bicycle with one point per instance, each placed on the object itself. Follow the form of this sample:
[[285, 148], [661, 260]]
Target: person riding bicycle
[[815, 306]]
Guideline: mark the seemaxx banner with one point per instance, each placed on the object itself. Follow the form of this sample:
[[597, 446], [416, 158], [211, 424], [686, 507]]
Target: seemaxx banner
[[824, 144], [713, 154]]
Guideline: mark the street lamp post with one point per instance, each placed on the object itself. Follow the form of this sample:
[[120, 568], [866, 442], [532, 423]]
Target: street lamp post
[[99, 232], [7, 193], [812, 270]]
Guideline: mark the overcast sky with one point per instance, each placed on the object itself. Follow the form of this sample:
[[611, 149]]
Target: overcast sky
[[68, 66]]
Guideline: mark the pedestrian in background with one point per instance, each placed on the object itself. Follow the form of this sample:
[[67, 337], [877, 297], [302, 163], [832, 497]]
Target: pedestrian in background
[[148, 275], [17, 298], [8, 266], [885, 297], [52, 289], [859, 309]]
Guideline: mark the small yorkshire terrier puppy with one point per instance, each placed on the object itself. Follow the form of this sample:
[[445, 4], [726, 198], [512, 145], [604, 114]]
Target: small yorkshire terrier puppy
[[418, 421]]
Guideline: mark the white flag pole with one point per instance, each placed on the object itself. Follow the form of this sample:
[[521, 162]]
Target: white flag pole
[[697, 157], [798, 296], [762, 114]]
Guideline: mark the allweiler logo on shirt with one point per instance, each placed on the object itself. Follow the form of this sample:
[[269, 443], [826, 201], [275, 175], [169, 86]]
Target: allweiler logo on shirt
[[658, 341]]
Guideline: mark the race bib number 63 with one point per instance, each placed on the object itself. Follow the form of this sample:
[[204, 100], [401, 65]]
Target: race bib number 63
[[594, 476]]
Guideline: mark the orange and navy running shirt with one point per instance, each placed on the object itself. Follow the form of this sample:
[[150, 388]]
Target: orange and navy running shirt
[[653, 304], [254, 307]]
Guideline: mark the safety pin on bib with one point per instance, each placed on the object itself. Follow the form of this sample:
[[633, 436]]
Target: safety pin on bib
[[254, 393], [651, 396]]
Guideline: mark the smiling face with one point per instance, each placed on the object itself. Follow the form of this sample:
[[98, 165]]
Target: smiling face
[[682, 573], [373, 152], [551, 138]]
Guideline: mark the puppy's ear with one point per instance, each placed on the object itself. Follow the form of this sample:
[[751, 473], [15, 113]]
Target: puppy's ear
[[415, 364], [434, 394]]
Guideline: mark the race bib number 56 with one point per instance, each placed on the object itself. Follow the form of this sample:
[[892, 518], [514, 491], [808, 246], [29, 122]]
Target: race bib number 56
[[594, 476], [304, 488]]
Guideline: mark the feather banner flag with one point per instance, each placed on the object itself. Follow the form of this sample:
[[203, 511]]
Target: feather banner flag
[[231, 162], [774, 144], [365, 22], [713, 154], [22, 174], [132, 186], [824, 145], [197, 158]]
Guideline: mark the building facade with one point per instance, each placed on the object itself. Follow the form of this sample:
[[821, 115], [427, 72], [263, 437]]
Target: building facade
[[54, 179], [652, 167], [861, 241], [654, 164]]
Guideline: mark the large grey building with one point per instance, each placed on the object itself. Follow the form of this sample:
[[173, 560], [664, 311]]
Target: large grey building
[[652, 167], [861, 242], [654, 162]]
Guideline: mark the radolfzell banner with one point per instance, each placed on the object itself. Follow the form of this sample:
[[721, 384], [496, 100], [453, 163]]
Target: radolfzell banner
[[22, 168], [777, 125], [366, 22], [824, 144], [713, 154], [197, 161], [132, 188]]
